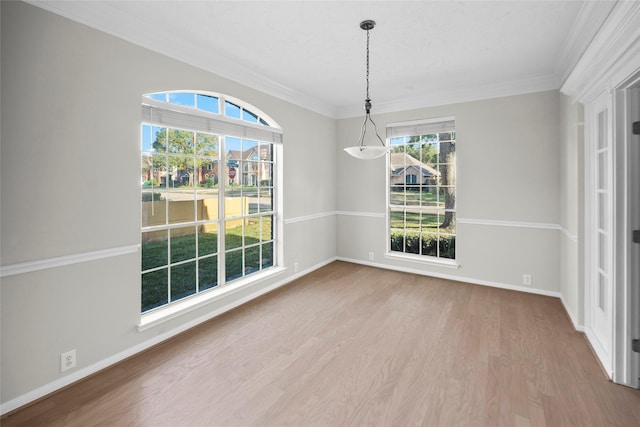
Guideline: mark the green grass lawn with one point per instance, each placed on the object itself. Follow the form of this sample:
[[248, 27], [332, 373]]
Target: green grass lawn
[[414, 221], [416, 198], [155, 290]]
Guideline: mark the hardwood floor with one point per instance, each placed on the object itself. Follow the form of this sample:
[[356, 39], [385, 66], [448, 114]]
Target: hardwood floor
[[350, 345]]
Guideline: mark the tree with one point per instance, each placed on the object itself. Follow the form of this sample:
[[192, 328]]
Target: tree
[[421, 147], [185, 157], [447, 159]]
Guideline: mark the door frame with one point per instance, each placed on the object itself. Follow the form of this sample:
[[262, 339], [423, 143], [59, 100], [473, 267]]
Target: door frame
[[610, 63], [627, 308], [614, 350], [600, 229]]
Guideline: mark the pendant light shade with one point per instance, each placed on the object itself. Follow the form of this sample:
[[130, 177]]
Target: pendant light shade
[[363, 151]]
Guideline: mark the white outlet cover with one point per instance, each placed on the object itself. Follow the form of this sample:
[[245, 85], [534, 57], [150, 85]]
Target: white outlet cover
[[68, 360]]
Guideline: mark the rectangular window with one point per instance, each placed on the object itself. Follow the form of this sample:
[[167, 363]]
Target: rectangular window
[[179, 214], [422, 188], [248, 212]]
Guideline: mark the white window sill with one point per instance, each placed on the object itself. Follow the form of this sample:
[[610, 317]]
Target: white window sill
[[420, 259], [171, 311]]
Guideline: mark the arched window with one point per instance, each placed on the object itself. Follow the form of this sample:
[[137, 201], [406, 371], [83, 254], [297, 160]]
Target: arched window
[[203, 225]]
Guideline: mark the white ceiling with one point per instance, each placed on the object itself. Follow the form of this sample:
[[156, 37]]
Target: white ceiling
[[313, 52]]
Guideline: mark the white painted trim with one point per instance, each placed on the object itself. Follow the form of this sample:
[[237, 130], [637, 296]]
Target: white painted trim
[[75, 376], [600, 352], [227, 67], [599, 323], [612, 49], [574, 320], [171, 311], [612, 58], [586, 25], [179, 49], [626, 365], [569, 235], [32, 266], [474, 221], [488, 222], [78, 375], [423, 260], [529, 84], [44, 264], [500, 223], [364, 214], [308, 217], [333, 213], [453, 277]]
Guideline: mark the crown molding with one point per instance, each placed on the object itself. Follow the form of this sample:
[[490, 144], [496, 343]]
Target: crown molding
[[612, 55], [236, 71], [175, 48], [462, 94], [590, 18], [581, 37]]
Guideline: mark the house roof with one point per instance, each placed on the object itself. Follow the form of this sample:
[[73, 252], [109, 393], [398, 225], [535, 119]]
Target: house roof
[[399, 162], [241, 155]]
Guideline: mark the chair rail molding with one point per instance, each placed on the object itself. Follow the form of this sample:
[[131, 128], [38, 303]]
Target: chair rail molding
[[44, 264]]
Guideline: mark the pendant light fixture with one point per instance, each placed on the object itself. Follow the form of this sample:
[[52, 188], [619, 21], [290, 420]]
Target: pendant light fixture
[[363, 151]]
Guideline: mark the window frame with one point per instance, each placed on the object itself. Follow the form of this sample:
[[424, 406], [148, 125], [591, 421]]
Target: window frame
[[258, 131], [418, 128]]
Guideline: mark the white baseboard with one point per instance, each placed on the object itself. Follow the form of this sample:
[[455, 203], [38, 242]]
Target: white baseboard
[[603, 357], [78, 375], [456, 278], [574, 320]]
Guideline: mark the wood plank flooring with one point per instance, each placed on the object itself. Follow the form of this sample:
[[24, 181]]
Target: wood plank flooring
[[351, 345]]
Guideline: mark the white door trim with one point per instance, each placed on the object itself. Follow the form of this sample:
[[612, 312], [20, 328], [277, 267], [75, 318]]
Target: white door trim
[[608, 65], [627, 319], [599, 229]]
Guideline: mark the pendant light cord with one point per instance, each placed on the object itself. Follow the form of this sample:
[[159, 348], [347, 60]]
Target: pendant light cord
[[368, 99], [367, 102]]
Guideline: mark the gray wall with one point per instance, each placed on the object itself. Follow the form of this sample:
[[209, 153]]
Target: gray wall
[[508, 174], [70, 186], [572, 207]]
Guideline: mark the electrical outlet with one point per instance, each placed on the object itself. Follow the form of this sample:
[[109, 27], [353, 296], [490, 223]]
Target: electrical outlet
[[296, 267], [371, 257], [68, 360], [526, 279]]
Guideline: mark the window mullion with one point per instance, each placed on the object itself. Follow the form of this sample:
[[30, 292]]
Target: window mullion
[[221, 209], [195, 181], [166, 192]]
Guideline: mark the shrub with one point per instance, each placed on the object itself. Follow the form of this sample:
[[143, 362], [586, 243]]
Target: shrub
[[397, 242], [427, 246], [412, 243], [448, 247], [152, 197]]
